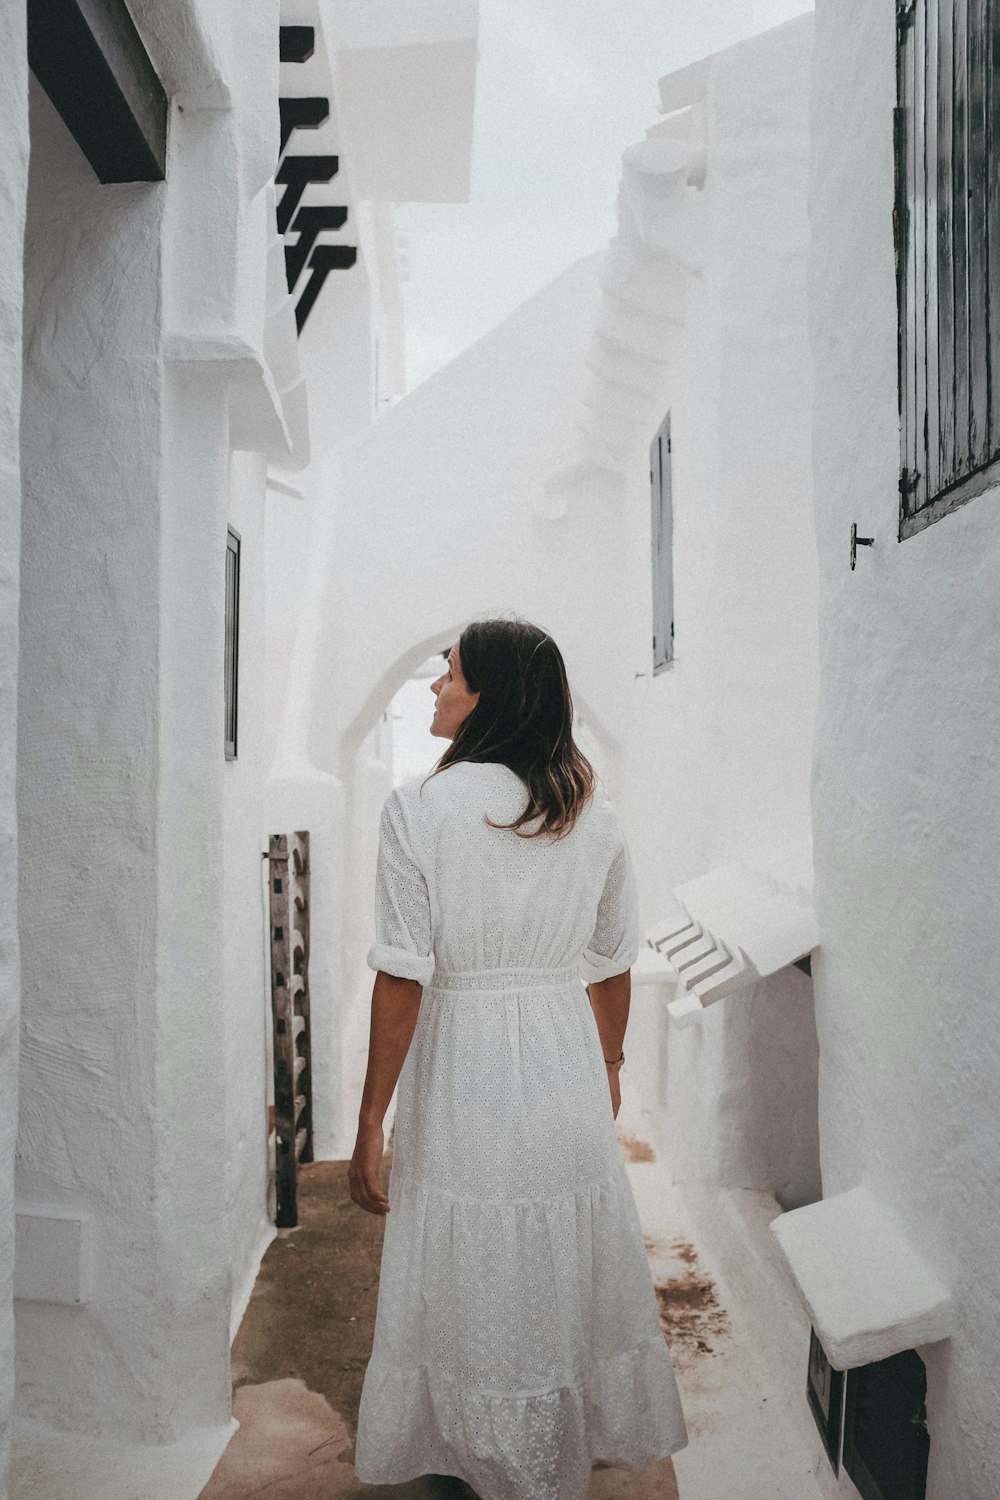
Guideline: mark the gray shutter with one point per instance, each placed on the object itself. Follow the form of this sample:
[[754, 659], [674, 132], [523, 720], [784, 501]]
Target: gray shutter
[[947, 201], [662, 547]]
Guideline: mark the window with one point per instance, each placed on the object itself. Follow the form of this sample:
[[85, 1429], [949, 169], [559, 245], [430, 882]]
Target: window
[[948, 272], [232, 651], [663, 542], [886, 1443]]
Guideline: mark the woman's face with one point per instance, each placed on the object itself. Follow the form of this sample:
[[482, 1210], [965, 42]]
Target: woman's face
[[454, 700]]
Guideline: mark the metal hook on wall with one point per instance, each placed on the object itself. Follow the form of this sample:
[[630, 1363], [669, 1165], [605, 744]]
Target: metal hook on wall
[[858, 541]]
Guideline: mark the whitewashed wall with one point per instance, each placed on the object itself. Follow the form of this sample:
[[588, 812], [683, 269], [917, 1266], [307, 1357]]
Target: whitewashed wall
[[149, 405], [723, 738], [907, 818], [247, 970], [87, 756], [13, 187]]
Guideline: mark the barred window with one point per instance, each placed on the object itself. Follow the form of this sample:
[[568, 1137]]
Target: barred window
[[948, 274]]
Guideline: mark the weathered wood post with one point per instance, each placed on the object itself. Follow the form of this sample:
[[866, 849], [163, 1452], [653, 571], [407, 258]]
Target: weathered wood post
[[289, 942]]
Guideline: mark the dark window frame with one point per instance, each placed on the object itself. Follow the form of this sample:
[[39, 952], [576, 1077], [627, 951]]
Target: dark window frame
[[948, 282], [231, 648], [825, 1394], [890, 1396], [662, 545]]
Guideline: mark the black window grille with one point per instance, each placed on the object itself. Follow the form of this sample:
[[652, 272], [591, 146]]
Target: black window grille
[[947, 254], [660, 459], [232, 651]]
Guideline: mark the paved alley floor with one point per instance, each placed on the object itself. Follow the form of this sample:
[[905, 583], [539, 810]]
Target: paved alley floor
[[734, 1328], [299, 1361]]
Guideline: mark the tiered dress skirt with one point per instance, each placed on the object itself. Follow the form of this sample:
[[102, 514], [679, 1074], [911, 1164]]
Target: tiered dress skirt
[[517, 1339]]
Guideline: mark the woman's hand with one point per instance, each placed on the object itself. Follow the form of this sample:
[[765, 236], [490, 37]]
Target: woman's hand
[[395, 1007], [616, 1092], [362, 1174]]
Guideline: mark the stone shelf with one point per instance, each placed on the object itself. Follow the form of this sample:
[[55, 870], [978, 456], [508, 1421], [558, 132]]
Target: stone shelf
[[868, 1293]]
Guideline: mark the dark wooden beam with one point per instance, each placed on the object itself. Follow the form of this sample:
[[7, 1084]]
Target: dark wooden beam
[[297, 43], [301, 114], [90, 60]]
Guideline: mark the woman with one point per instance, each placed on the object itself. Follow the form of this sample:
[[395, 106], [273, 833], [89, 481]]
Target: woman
[[517, 1340]]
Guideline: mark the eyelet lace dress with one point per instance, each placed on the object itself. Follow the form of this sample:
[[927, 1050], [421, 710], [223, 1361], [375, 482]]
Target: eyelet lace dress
[[517, 1339]]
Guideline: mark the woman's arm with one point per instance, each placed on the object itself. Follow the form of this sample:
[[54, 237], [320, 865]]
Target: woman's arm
[[395, 1004], [610, 1000]]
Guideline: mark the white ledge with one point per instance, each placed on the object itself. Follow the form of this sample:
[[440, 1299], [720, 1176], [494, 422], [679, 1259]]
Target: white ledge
[[256, 410], [868, 1293], [735, 926]]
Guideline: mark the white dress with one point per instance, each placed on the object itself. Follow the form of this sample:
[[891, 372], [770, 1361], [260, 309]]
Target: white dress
[[517, 1339]]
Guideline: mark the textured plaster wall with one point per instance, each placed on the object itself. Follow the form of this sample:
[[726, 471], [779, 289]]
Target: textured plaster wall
[[87, 747], [907, 818], [247, 978], [212, 1172], [144, 1085], [195, 1264], [13, 190], [723, 740]]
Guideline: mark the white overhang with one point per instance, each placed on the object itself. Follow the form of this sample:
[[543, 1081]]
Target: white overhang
[[868, 1293], [264, 385], [735, 926], [404, 81]]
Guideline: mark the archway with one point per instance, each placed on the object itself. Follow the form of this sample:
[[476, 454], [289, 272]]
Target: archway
[[370, 765]]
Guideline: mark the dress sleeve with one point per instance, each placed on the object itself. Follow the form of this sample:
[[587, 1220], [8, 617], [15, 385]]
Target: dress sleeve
[[403, 937], [614, 946]]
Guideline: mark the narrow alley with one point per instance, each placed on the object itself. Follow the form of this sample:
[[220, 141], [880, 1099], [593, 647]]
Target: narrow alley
[[604, 400]]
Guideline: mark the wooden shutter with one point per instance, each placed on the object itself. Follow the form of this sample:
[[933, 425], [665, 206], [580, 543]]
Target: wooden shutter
[[232, 639], [662, 537], [948, 278]]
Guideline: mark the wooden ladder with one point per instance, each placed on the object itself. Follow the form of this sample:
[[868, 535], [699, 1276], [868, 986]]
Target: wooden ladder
[[289, 921]]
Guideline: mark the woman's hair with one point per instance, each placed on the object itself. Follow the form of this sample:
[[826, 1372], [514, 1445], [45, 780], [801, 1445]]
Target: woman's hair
[[524, 720]]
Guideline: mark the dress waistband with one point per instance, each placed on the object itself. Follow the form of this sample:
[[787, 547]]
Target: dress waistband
[[502, 979]]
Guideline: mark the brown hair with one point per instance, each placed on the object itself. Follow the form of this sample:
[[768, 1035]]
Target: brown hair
[[524, 720]]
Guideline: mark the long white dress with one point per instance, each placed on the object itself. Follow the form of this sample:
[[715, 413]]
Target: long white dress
[[516, 1339]]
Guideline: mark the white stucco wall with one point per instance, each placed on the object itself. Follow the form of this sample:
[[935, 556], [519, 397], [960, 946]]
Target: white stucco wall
[[722, 750], [13, 189], [247, 971], [907, 819], [144, 1089], [87, 771]]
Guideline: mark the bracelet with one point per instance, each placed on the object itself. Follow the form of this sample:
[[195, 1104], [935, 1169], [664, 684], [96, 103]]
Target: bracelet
[[614, 1063]]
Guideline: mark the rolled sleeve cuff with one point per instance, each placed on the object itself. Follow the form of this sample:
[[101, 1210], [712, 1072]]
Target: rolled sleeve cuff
[[398, 962], [593, 970]]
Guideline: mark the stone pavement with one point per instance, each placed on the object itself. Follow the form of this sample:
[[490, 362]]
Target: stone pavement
[[299, 1361]]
